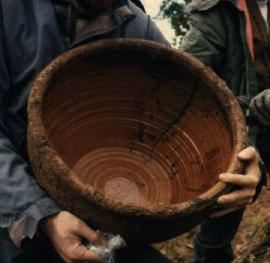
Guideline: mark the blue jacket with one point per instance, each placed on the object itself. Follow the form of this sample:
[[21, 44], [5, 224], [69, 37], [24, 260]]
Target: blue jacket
[[29, 40]]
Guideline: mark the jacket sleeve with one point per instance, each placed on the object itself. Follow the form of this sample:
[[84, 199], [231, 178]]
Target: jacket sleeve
[[154, 34], [143, 27], [206, 40], [22, 202]]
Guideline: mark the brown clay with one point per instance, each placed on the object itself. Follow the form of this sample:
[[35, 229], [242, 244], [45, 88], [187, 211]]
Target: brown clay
[[131, 136]]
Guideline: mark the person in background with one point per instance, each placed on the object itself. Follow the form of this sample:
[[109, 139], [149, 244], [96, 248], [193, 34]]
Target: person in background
[[232, 37], [33, 228]]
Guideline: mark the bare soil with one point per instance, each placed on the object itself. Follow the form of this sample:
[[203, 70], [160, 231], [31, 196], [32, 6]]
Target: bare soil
[[180, 249]]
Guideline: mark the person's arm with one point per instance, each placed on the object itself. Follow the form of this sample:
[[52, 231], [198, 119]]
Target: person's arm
[[23, 203], [24, 206], [206, 41]]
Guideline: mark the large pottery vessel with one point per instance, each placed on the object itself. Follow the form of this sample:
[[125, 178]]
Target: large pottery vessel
[[131, 136]]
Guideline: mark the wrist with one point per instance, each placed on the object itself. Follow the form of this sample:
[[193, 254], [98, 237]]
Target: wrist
[[46, 223]]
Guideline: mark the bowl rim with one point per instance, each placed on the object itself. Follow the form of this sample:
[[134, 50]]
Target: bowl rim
[[205, 74]]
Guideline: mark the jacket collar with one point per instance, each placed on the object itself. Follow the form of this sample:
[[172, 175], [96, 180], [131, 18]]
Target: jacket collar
[[73, 22], [104, 24], [89, 13]]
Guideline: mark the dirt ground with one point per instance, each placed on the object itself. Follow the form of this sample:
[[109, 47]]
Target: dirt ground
[[180, 249]]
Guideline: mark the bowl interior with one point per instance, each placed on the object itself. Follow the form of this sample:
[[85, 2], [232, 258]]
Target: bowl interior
[[137, 126]]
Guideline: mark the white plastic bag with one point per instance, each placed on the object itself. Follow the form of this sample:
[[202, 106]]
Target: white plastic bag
[[114, 242]]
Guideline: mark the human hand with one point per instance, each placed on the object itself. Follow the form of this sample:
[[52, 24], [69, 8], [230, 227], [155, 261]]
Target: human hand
[[65, 231], [247, 184], [260, 107]]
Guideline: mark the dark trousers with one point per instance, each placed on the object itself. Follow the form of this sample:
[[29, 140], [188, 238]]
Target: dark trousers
[[212, 245]]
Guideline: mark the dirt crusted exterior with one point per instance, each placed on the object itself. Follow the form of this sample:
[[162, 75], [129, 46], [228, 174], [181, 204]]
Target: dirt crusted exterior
[[138, 224]]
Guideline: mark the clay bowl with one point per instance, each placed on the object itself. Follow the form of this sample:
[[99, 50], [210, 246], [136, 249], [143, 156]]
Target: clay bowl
[[131, 137]]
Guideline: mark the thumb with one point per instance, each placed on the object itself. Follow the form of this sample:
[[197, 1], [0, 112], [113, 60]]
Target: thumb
[[251, 157], [248, 154]]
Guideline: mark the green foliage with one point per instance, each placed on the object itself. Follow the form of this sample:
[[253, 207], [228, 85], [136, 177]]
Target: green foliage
[[175, 11]]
